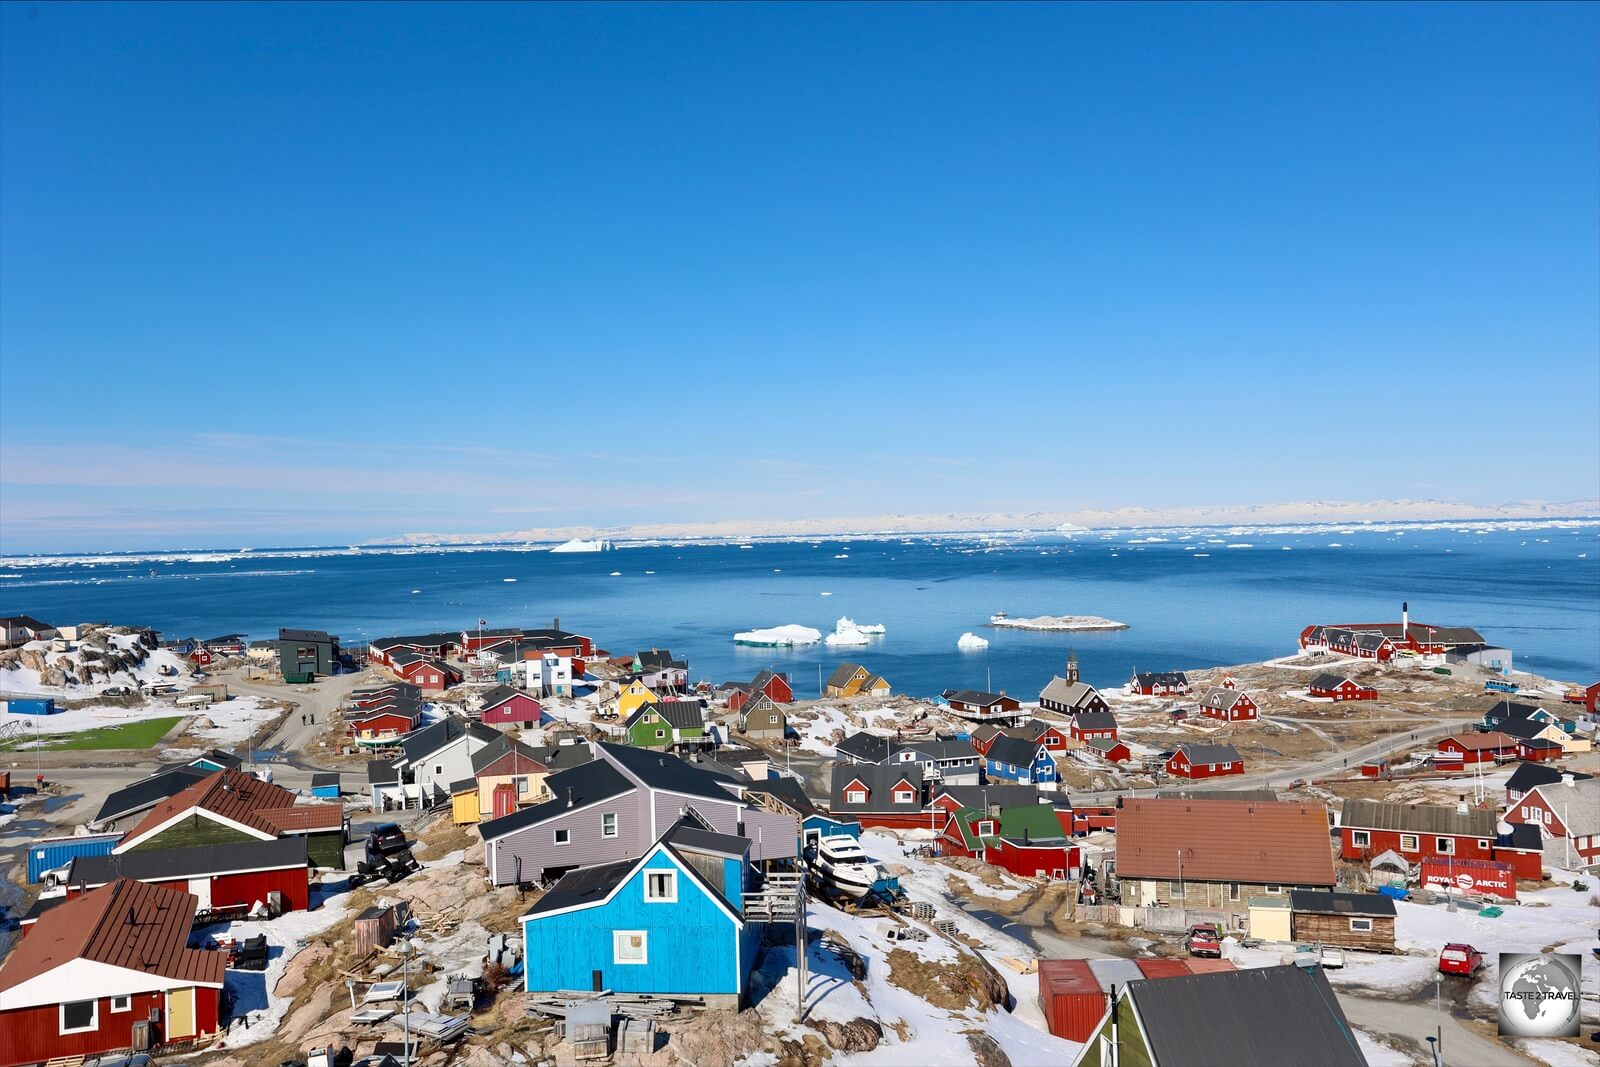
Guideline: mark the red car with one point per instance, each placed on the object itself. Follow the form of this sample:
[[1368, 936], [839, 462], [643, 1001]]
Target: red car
[[1460, 959], [1204, 940]]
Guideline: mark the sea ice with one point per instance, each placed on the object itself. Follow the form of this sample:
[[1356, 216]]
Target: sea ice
[[779, 636]]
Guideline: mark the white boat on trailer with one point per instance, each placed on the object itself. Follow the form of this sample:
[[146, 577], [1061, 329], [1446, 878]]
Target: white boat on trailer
[[844, 867]]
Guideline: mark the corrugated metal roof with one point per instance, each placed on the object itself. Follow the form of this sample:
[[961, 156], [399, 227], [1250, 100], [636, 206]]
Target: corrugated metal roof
[[1418, 818], [165, 863], [1262, 843]]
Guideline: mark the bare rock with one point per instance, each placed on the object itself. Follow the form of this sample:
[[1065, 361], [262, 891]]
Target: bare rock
[[52, 677], [715, 1037], [986, 1052], [294, 975], [857, 1035]]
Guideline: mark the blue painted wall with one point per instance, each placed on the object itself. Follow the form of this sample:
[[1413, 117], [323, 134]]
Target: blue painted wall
[[694, 947]]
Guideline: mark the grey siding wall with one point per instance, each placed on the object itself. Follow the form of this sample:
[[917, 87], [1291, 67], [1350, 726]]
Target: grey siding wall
[[723, 817], [772, 836], [526, 854]]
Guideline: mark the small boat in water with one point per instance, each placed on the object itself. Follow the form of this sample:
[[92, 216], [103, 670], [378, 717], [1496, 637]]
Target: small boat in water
[[998, 616], [844, 867]]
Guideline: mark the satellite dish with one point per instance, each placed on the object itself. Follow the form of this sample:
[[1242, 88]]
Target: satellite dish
[[1502, 828]]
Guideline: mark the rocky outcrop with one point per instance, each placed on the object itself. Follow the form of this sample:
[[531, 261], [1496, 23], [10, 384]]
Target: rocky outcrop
[[857, 1035], [986, 1052]]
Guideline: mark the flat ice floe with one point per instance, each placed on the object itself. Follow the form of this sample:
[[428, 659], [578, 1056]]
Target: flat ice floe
[[1060, 622], [779, 636]]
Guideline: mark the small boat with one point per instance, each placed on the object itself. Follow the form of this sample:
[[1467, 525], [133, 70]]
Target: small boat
[[844, 867], [997, 616]]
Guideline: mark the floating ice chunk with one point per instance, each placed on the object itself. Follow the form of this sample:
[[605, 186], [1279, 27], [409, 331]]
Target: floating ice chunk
[[847, 639], [779, 636], [578, 544], [970, 642]]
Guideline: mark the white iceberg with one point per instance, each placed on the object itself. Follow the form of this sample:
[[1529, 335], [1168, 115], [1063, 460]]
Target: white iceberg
[[846, 624], [873, 628], [970, 642], [1061, 622], [779, 636], [578, 544], [847, 638]]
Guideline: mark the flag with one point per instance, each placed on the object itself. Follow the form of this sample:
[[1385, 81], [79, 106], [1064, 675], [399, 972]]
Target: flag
[[483, 622]]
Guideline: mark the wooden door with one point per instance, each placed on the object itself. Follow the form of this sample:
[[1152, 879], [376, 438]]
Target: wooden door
[[180, 1014]]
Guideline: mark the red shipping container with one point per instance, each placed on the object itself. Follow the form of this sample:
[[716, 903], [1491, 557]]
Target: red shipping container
[[1164, 967], [1470, 876], [504, 799], [1071, 997]]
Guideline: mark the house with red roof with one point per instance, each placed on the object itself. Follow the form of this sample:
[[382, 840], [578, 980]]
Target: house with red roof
[[232, 806], [106, 972]]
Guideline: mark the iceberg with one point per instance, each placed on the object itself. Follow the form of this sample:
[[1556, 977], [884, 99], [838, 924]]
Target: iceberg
[[847, 638], [779, 636], [578, 544], [846, 624], [1063, 622], [970, 642]]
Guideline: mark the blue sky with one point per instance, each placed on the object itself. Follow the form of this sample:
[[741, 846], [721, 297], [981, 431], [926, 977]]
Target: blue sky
[[305, 274]]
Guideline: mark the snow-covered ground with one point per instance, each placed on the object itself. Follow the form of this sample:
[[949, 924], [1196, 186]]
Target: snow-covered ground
[[234, 720], [817, 734], [159, 665]]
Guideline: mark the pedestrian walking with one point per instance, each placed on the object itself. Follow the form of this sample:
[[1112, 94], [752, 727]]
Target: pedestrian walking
[[302, 720]]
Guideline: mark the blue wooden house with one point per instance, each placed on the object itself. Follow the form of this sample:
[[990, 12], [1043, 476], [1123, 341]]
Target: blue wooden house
[[1011, 759], [670, 922]]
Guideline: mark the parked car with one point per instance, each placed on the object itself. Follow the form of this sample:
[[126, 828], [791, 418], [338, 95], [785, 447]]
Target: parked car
[[1457, 958], [1204, 939], [385, 839]]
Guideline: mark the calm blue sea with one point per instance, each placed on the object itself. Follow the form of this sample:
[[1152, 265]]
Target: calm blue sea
[[1189, 599]]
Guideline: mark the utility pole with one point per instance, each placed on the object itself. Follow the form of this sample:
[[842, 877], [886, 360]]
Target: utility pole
[[800, 946]]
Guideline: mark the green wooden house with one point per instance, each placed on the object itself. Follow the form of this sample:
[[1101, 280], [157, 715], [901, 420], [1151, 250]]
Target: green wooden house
[[667, 724]]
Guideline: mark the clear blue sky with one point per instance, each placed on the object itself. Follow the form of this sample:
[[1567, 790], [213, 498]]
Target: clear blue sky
[[304, 274]]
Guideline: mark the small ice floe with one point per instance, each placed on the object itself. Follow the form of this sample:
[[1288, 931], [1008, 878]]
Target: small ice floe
[[842, 555], [851, 638], [508, 579], [649, 572], [615, 574], [970, 642], [824, 594], [415, 592]]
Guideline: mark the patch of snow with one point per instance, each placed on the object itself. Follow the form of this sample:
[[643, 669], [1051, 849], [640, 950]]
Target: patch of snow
[[1380, 1053]]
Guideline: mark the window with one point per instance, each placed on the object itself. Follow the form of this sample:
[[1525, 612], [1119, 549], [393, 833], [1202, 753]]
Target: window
[[661, 887], [1408, 843], [1483, 843], [122, 1003], [79, 1016], [1275, 890], [608, 824], [520, 784], [660, 734], [1174, 889], [1211, 766], [1233, 890], [1361, 926], [904, 796], [986, 828], [630, 946], [1446, 846], [1360, 838], [437, 769], [855, 796], [562, 837]]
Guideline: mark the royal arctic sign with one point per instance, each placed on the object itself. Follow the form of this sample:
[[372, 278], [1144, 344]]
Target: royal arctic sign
[[1469, 876]]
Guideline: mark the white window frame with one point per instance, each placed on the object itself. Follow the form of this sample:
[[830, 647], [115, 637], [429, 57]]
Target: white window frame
[[127, 1003], [615, 824], [904, 796], [1361, 926], [855, 796], [562, 836], [1273, 890], [660, 734], [1415, 846], [1360, 838], [1445, 846], [94, 1017], [671, 894], [986, 828], [644, 948], [1233, 890], [1483, 842]]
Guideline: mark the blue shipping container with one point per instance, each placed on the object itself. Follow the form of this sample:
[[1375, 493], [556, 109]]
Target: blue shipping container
[[46, 706], [331, 792], [49, 853]]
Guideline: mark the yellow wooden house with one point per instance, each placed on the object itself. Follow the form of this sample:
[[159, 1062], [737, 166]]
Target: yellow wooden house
[[852, 679], [633, 696]]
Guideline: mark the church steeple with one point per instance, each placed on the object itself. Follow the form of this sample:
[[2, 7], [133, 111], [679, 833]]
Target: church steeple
[[1072, 666]]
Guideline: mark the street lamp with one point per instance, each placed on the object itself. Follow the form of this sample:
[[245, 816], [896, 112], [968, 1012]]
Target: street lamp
[[1438, 1019], [405, 998]]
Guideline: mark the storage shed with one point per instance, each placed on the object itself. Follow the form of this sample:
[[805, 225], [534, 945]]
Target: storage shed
[[1349, 920], [1270, 919], [1071, 997], [325, 784], [377, 926]]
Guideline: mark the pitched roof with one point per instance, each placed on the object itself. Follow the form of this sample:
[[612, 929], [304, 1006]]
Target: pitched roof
[[1418, 818], [1578, 805], [127, 924], [843, 673], [880, 780], [509, 750], [291, 634], [1222, 699], [218, 757], [586, 783], [1528, 775], [499, 695], [1197, 753], [1013, 750], [324, 778], [864, 746], [974, 696], [303, 818], [1071, 694], [1095, 720], [666, 772], [995, 794], [1327, 681], [1036, 822], [1260, 1017], [160, 864], [1475, 742], [148, 791], [1318, 902], [586, 885], [418, 746], [381, 772], [683, 714], [232, 795], [560, 757], [1265, 843], [697, 839], [1167, 678], [1523, 729], [787, 790]]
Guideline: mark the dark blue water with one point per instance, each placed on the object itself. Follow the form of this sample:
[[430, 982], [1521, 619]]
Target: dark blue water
[[1535, 590]]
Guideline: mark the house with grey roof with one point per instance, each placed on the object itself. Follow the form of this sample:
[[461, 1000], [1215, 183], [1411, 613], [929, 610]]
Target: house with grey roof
[[877, 794], [1196, 761]]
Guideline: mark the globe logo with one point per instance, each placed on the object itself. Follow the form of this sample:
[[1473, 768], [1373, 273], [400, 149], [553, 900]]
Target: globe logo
[[1539, 994]]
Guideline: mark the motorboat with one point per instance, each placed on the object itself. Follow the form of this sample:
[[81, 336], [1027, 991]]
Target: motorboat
[[844, 867]]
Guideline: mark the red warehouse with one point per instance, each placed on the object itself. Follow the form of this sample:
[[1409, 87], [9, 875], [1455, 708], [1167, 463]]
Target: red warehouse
[[1338, 687], [1476, 748], [1415, 831], [1470, 876], [106, 971], [1111, 751], [1035, 859], [223, 878], [1229, 705], [1205, 761]]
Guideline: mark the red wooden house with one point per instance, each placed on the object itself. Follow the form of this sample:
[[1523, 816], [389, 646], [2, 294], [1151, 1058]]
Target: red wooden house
[[1111, 750], [1539, 750], [1415, 831], [94, 969], [427, 674], [1035, 859], [1205, 761], [1462, 749], [1089, 725], [1159, 683], [1229, 705], [1587, 695], [381, 724], [1567, 811], [975, 703], [1337, 687], [503, 706], [237, 875]]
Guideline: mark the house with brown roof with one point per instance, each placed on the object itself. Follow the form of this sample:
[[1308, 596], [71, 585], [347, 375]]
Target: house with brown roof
[[1186, 852], [106, 972], [231, 806], [852, 679]]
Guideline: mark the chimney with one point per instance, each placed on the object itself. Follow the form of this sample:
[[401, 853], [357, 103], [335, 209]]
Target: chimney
[[569, 798], [1405, 620]]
